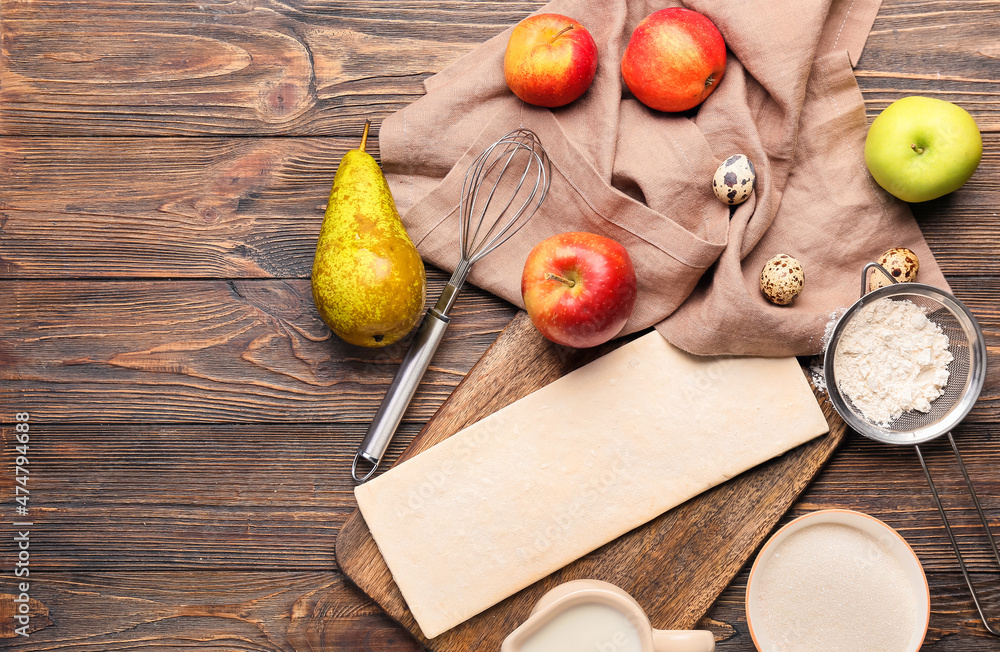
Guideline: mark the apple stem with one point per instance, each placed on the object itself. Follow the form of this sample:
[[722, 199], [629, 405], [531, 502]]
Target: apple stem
[[916, 148], [549, 276], [561, 32], [364, 136]]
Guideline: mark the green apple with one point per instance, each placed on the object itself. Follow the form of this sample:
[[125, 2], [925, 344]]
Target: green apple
[[920, 148]]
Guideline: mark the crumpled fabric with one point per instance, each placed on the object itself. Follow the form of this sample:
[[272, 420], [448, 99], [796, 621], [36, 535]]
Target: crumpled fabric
[[788, 100]]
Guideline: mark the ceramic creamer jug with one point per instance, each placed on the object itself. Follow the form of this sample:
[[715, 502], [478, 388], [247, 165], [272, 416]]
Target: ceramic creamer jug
[[599, 617]]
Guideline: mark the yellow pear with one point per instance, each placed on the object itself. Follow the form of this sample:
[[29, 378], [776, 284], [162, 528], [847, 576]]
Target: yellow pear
[[368, 280]]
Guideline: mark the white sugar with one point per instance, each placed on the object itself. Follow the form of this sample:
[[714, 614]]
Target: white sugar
[[834, 588]]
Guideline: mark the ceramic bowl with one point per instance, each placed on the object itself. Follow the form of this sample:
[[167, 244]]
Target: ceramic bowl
[[888, 537]]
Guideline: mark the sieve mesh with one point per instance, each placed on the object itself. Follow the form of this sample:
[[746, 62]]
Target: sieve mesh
[[966, 370]]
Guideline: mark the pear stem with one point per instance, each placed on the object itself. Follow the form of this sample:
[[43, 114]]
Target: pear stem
[[364, 136], [549, 276], [916, 148]]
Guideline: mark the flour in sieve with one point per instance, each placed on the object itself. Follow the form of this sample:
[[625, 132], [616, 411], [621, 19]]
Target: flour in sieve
[[892, 359], [816, 367]]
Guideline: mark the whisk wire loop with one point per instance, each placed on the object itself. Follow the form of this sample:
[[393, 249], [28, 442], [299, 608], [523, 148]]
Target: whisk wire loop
[[491, 173]]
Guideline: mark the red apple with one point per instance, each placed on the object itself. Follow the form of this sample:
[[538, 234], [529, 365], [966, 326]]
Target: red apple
[[674, 60], [578, 288], [550, 60]]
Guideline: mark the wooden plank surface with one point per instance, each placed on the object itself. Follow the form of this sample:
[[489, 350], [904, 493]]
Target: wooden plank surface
[[252, 207], [169, 351], [163, 169], [105, 67], [210, 351]]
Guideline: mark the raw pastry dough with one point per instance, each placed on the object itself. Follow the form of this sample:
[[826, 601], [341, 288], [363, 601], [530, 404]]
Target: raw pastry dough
[[572, 466]]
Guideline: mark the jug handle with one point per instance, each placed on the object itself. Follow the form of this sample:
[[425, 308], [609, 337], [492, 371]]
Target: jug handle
[[687, 640]]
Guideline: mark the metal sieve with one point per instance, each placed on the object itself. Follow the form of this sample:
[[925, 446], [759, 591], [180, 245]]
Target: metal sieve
[[967, 372]]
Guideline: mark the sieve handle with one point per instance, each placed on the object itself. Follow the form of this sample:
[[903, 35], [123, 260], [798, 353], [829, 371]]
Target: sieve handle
[[951, 535], [864, 276]]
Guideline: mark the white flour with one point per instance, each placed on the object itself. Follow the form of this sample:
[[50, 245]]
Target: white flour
[[816, 367], [892, 359]]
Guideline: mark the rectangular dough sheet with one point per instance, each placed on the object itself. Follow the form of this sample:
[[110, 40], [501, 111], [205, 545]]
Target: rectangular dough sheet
[[572, 466]]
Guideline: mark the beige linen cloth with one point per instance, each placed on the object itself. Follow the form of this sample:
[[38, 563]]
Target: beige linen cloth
[[788, 100]]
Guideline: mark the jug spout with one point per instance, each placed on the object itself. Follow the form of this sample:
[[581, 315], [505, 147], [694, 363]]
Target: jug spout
[[693, 640]]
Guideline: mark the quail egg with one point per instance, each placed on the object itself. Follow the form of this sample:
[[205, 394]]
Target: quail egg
[[901, 262], [734, 180], [782, 279]]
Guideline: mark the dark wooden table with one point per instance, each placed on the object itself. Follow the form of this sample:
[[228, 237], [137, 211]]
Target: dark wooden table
[[163, 170]]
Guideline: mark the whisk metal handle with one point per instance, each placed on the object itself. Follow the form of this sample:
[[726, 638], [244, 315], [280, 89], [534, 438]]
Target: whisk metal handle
[[401, 391]]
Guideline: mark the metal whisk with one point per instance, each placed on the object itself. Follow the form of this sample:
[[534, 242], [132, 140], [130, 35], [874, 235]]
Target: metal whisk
[[503, 188]]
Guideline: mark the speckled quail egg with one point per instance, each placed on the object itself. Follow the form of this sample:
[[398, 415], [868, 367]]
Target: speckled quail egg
[[901, 262], [782, 279], [734, 179]]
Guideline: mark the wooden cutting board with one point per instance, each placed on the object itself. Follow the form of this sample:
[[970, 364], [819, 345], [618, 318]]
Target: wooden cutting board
[[675, 566]]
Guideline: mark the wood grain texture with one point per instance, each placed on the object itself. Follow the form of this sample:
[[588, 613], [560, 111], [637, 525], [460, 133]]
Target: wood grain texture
[[698, 546], [211, 351], [189, 497], [166, 68], [202, 350], [252, 207], [913, 49], [193, 207], [306, 68], [319, 610], [248, 611], [263, 496]]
